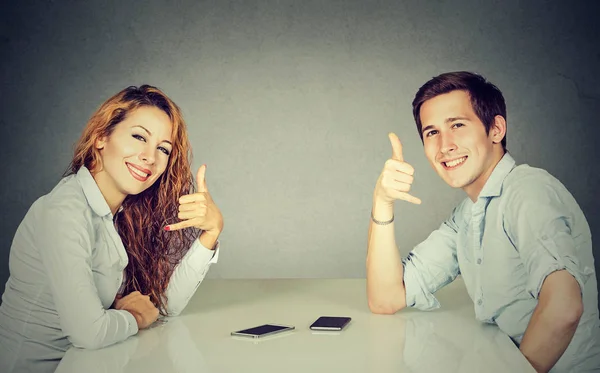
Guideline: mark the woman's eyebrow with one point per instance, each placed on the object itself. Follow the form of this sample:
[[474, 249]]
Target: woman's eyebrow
[[150, 133]]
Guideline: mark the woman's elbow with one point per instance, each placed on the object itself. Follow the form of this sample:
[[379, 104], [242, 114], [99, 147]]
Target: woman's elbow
[[173, 312], [85, 341]]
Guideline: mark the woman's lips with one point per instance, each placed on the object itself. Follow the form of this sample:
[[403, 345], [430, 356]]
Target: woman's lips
[[138, 173]]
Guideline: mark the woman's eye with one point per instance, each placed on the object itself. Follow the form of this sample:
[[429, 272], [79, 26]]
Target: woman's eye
[[164, 150], [139, 137]]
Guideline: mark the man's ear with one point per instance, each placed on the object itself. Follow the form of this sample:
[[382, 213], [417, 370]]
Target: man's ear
[[100, 143], [498, 129]]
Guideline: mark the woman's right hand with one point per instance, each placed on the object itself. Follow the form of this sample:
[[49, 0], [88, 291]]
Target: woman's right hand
[[140, 307]]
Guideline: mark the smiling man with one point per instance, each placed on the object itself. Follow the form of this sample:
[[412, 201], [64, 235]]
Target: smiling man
[[519, 240]]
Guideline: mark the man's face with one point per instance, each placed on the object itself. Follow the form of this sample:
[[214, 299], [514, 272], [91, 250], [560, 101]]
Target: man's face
[[456, 143]]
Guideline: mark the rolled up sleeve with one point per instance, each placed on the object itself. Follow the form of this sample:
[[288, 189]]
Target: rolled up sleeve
[[540, 227], [431, 265]]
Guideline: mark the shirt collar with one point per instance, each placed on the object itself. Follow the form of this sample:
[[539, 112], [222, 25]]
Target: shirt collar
[[493, 185], [92, 192]]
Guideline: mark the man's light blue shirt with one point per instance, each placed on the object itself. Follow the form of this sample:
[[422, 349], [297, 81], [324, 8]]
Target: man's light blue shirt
[[524, 225]]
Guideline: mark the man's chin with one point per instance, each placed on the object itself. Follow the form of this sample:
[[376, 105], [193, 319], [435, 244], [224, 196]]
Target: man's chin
[[454, 183]]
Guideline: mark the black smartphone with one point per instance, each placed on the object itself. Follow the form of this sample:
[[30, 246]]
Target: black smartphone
[[330, 323], [262, 331]]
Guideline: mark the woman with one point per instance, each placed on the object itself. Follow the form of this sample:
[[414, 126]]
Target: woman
[[101, 255]]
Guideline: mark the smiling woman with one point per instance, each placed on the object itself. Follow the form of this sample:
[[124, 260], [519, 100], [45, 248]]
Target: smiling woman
[[98, 258]]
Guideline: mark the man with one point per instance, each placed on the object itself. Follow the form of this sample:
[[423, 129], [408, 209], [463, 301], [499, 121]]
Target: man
[[519, 239]]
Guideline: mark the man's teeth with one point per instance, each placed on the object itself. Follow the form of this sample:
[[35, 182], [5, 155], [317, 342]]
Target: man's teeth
[[456, 162], [138, 172]]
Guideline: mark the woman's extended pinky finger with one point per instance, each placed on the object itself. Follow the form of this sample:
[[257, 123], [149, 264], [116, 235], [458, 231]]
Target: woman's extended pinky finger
[[178, 226]]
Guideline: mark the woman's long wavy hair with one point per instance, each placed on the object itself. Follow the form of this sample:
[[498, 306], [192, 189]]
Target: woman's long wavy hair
[[153, 253]]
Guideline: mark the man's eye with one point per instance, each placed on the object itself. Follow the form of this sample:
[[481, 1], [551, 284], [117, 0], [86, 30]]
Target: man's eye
[[456, 125], [139, 137], [430, 133]]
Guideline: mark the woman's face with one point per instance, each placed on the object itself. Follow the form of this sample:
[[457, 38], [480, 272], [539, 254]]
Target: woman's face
[[135, 154]]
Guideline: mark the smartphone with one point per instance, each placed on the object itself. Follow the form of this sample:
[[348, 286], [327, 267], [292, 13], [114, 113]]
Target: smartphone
[[263, 330], [330, 323]]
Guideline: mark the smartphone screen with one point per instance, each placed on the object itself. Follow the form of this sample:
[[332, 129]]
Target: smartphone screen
[[262, 330], [330, 323]]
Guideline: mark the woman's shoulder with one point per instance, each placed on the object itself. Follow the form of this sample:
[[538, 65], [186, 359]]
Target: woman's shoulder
[[67, 197]]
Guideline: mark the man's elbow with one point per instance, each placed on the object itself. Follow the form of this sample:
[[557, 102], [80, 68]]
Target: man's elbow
[[385, 306], [571, 317], [383, 309], [566, 315]]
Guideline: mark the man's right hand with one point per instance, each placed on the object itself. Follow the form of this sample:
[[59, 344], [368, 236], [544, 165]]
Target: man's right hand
[[140, 307], [396, 178]]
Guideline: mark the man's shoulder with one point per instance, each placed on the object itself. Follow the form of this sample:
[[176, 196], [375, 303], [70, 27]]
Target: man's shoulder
[[527, 188], [530, 180], [525, 172]]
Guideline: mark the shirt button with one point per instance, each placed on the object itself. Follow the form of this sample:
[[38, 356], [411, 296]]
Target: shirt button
[[478, 261], [480, 302]]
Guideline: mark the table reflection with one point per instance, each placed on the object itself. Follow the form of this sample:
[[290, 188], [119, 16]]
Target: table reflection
[[169, 346]]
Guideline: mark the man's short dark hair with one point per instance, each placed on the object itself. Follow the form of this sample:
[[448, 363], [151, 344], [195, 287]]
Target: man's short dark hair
[[486, 98]]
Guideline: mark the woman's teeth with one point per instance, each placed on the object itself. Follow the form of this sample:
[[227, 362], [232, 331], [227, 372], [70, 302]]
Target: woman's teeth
[[138, 172]]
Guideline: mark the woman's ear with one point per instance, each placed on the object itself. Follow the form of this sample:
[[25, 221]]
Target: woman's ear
[[498, 130], [100, 143]]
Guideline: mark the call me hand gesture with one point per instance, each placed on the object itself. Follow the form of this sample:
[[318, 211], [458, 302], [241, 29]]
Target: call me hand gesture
[[396, 178], [200, 211]]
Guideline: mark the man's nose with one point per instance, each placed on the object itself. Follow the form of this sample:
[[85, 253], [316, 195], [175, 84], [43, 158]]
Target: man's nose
[[447, 142]]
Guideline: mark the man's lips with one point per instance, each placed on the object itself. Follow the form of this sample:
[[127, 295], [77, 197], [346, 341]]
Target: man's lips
[[139, 173], [451, 164]]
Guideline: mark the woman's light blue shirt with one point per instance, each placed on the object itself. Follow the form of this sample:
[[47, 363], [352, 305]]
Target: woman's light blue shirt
[[66, 266]]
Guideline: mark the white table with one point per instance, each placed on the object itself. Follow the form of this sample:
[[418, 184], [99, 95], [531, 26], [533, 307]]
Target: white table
[[445, 340]]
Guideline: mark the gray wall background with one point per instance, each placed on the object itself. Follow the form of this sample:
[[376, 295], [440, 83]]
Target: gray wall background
[[289, 103]]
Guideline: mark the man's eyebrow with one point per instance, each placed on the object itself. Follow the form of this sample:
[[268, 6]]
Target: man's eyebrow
[[449, 120], [150, 133], [427, 128]]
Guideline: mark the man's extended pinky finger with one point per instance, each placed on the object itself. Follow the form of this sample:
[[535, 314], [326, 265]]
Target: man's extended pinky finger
[[412, 199]]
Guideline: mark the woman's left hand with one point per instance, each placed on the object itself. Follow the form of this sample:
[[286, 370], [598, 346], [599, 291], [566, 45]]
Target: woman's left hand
[[200, 211]]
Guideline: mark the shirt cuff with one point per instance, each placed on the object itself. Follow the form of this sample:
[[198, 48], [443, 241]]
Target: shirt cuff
[[200, 254], [132, 326], [417, 295]]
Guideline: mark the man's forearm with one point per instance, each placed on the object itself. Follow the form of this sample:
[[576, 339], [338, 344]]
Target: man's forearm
[[545, 341], [385, 286], [554, 321]]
